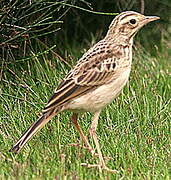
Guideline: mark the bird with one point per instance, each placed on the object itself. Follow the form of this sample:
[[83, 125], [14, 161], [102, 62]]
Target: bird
[[94, 82]]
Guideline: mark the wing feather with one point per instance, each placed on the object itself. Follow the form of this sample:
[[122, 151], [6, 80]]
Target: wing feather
[[90, 72]]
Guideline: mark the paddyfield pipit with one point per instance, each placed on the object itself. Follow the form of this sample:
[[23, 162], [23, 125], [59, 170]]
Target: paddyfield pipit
[[97, 78]]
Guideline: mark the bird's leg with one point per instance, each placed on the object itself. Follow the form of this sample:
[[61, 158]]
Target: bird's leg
[[83, 137], [87, 146], [101, 165]]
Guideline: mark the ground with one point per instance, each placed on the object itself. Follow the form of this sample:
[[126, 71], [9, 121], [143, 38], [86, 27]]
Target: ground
[[134, 130]]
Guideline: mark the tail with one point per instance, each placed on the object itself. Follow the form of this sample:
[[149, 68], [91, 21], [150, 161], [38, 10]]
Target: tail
[[34, 128]]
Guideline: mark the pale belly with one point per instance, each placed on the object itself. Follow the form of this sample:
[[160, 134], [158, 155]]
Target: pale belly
[[100, 97]]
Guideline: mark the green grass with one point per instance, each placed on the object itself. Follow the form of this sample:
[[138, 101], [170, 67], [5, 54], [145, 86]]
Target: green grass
[[134, 130]]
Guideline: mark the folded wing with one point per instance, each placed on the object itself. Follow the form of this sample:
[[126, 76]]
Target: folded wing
[[88, 74]]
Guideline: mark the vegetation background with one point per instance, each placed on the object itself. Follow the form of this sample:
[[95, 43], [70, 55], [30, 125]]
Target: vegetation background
[[40, 40]]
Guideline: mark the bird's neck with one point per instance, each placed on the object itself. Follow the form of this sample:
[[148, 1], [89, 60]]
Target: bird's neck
[[119, 39]]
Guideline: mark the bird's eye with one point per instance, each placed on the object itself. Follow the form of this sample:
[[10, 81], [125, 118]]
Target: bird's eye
[[132, 21]]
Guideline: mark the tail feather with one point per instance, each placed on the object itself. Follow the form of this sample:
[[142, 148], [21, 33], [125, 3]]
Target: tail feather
[[34, 128]]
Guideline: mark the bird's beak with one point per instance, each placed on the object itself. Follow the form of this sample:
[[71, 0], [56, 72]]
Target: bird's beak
[[148, 19]]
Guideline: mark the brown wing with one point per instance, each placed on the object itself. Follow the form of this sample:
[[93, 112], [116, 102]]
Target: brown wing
[[68, 91], [89, 73], [98, 74]]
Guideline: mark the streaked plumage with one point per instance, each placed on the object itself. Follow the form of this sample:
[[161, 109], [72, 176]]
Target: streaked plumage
[[96, 80]]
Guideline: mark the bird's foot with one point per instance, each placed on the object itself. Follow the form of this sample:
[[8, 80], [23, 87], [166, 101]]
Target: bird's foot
[[91, 150], [101, 168]]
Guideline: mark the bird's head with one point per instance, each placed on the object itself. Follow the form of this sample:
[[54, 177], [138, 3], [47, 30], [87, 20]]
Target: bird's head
[[128, 23]]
